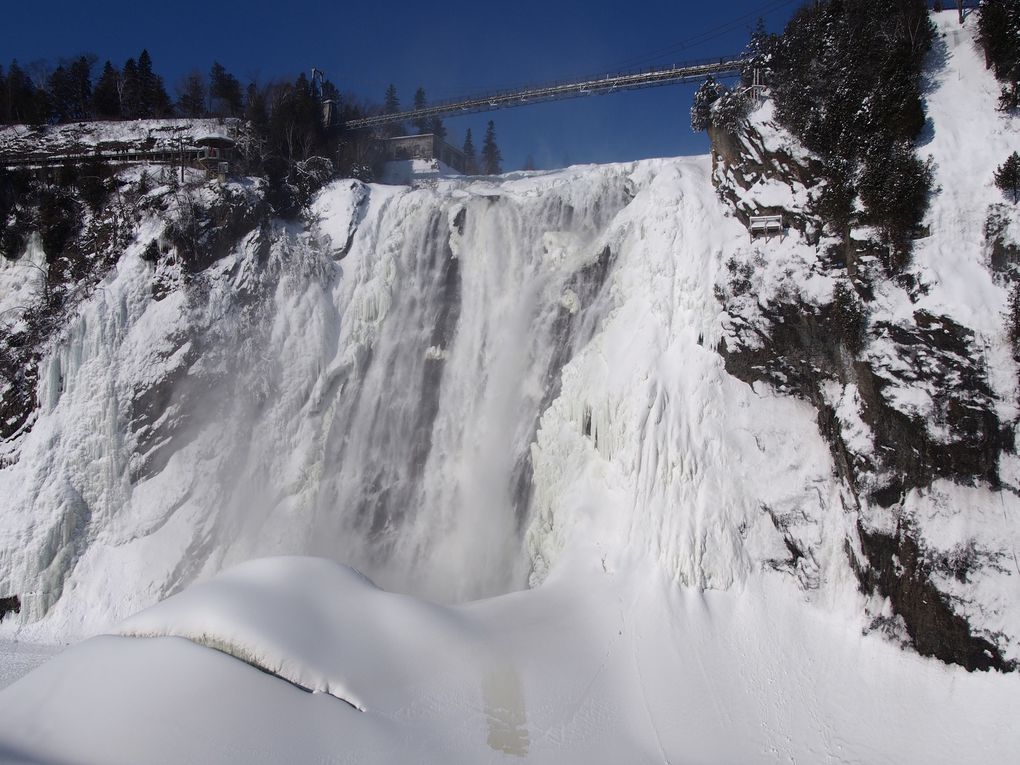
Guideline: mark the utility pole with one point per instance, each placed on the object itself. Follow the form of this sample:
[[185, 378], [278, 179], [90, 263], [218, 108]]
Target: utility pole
[[959, 8]]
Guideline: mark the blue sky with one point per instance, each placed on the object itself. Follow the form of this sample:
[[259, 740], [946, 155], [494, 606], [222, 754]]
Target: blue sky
[[451, 48]]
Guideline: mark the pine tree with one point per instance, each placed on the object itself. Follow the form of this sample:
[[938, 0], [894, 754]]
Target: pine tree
[[392, 106], [758, 55], [392, 103], [491, 156], [105, 97], [701, 109], [1013, 320], [191, 93], [848, 83], [80, 73], [146, 89], [421, 124], [999, 35], [24, 102], [153, 100], [3, 97], [61, 95], [70, 90], [224, 92], [1007, 176], [130, 91], [470, 156]]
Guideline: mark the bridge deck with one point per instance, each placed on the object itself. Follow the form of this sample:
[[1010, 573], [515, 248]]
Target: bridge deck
[[647, 78]]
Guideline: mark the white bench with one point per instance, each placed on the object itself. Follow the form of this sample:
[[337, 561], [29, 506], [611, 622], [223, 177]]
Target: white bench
[[766, 225]]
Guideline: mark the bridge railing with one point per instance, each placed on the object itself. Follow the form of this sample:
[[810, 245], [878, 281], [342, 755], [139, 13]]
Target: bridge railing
[[534, 85], [565, 88]]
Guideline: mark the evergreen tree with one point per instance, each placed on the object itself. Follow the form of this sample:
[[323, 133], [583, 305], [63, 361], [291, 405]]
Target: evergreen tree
[[701, 109], [22, 102], [3, 97], [1007, 176], [392, 103], [191, 94], [224, 92], [146, 86], [1013, 320], [421, 124], [894, 188], [758, 56], [847, 83], [70, 90], [80, 85], [153, 100], [105, 96], [491, 156], [391, 106], [730, 111], [470, 156], [130, 91], [61, 95], [999, 35], [1009, 98]]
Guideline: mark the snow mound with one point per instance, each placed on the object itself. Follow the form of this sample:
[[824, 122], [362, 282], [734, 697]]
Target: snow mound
[[606, 666], [317, 624]]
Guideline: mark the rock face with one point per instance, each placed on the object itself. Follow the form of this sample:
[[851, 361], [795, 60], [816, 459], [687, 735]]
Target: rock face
[[903, 397]]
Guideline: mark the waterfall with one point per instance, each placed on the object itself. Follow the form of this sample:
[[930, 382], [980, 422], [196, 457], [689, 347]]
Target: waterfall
[[376, 404]]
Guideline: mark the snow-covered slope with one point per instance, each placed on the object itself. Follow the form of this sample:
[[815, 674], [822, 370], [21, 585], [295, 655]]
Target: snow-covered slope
[[85, 137], [504, 388], [302, 660]]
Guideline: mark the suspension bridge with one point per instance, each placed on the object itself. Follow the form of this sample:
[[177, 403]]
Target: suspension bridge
[[726, 66]]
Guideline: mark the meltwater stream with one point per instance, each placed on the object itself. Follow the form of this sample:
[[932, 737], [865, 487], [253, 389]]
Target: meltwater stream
[[365, 386]]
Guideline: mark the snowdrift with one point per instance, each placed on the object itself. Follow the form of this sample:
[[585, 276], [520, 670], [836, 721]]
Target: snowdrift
[[610, 667]]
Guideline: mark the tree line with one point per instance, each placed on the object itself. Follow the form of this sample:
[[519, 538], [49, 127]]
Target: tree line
[[999, 36], [285, 117], [68, 92]]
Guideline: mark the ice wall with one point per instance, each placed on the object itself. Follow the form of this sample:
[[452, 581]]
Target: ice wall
[[366, 386]]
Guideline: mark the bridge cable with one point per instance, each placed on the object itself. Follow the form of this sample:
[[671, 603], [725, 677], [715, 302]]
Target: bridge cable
[[707, 35]]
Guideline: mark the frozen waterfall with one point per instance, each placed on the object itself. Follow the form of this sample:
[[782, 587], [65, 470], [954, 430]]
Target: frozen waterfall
[[366, 387]]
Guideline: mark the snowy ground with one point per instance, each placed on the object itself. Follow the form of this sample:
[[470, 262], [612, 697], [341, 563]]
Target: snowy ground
[[18, 659], [607, 667], [80, 137]]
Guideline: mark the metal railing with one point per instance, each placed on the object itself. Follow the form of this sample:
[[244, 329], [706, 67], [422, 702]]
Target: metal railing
[[130, 156], [632, 80]]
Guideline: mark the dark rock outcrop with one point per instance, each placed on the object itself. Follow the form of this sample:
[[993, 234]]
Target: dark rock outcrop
[[921, 384]]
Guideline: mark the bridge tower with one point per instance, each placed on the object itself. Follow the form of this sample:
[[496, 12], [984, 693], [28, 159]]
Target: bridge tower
[[328, 105]]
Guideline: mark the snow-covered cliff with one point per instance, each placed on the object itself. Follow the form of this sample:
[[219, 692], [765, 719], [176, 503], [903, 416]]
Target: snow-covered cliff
[[586, 396]]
